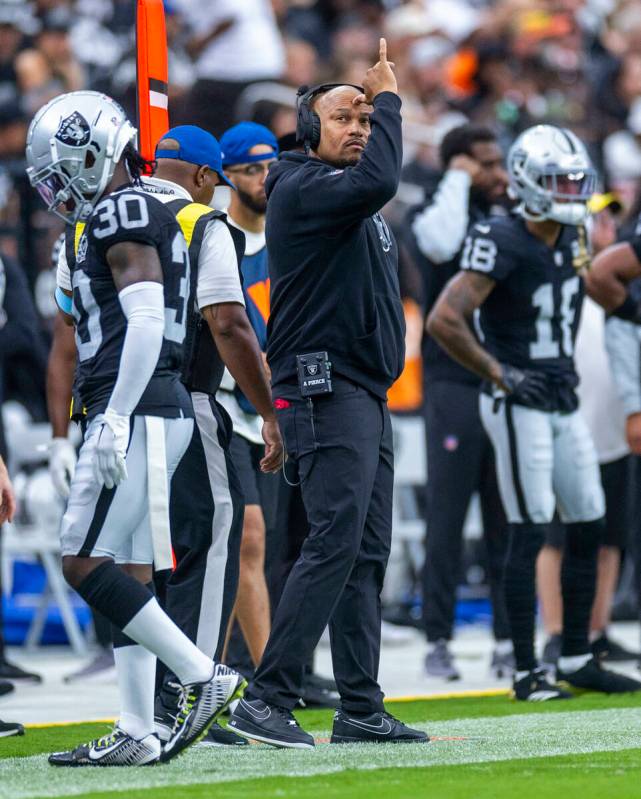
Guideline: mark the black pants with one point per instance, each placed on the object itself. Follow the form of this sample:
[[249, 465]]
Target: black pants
[[460, 461], [342, 446], [206, 514]]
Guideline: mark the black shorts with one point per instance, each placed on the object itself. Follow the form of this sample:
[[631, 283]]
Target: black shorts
[[246, 457]]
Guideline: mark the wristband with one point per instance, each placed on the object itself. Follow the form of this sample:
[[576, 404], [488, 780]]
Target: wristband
[[63, 301]]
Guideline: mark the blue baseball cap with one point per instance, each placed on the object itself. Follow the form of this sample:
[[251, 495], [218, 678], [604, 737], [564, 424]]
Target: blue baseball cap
[[236, 143], [195, 146]]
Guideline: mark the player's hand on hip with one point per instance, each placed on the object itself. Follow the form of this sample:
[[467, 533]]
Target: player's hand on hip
[[62, 464], [524, 384], [111, 448], [379, 78], [273, 459]]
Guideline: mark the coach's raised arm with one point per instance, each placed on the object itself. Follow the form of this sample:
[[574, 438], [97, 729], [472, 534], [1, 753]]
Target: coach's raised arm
[[335, 344], [332, 260]]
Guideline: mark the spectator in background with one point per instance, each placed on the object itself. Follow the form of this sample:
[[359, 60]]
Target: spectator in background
[[7, 509], [233, 45], [459, 453]]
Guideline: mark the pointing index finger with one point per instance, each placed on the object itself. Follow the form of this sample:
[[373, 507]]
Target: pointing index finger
[[383, 49]]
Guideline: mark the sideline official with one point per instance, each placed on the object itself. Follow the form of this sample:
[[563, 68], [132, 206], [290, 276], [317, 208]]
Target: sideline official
[[334, 289]]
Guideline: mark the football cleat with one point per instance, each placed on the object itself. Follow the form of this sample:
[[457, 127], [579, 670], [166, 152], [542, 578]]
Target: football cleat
[[502, 664], [269, 724], [536, 687], [439, 662], [115, 749], [199, 705], [8, 728], [593, 677], [380, 728], [222, 736]]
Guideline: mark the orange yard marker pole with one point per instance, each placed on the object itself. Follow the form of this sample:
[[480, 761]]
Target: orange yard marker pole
[[151, 75]]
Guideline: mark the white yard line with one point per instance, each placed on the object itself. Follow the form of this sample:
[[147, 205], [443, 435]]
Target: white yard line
[[484, 740]]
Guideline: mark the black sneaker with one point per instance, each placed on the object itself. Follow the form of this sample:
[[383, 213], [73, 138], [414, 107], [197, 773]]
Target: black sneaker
[[8, 728], [222, 736], [593, 677], [269, 724], [535, 686], [604, 648], [9, 671], [199, 705], [551, 652], [6, 687], [115, 749], [166, 709], [379, 727]]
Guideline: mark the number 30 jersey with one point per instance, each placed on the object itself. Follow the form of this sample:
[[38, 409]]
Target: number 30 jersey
[[531, 317], [127, 215]]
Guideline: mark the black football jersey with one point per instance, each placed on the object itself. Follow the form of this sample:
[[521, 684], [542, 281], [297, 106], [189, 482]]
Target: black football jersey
[[127, 215], [530, 319]]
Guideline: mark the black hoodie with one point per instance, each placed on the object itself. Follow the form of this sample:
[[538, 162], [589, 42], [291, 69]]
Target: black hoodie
[[333, 262]]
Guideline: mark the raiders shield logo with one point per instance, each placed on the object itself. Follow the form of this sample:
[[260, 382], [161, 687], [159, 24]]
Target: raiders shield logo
[[74, 130]]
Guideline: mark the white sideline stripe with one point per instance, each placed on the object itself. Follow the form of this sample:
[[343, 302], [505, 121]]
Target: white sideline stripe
[[530, 735], [158, 100]]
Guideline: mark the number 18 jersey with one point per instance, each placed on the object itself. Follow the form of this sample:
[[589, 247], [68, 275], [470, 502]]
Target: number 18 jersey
[[127, 215], [531, 317]]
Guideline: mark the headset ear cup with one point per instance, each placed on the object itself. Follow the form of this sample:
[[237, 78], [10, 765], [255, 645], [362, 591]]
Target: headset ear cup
[[315, 131]]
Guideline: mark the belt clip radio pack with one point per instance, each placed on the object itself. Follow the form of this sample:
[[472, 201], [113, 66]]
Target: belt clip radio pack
[[314, 374]]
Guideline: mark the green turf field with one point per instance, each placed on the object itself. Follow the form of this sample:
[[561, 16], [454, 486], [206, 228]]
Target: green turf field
[[482, 748]]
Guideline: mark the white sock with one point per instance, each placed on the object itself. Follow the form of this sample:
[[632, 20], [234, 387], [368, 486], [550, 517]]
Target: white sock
[[153, 628], [503, 647], [136, 668], [573, 663]]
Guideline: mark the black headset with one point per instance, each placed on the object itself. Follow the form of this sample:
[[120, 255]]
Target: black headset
[[308, 124]]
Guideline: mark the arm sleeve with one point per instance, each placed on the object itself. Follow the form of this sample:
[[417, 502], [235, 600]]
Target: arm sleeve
[[143, 305], [440, 227], [356, 192], [63, 274], [624, 350], [218, 276]]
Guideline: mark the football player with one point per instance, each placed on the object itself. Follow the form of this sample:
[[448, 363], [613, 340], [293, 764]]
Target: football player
[[130, 282], [524, 274]]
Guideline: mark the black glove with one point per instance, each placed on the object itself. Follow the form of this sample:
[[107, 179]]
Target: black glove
[[524, 385]]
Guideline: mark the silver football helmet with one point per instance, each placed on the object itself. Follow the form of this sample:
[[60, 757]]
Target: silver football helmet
[[73, 145], [551, 174]]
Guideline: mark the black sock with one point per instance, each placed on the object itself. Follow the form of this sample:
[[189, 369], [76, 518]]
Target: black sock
[[115, 594], [578, 584], [520, 589], [118, 637]]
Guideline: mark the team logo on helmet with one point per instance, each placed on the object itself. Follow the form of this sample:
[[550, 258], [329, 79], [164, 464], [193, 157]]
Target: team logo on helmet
[[74, 130]]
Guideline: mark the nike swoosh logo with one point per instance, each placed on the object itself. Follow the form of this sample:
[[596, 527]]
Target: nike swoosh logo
[[482, 228], [99, 755], [259, 715], [542, 696], [384, 728]]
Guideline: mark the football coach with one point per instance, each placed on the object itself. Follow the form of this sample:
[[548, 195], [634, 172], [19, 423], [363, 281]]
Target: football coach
[[335, 345]]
